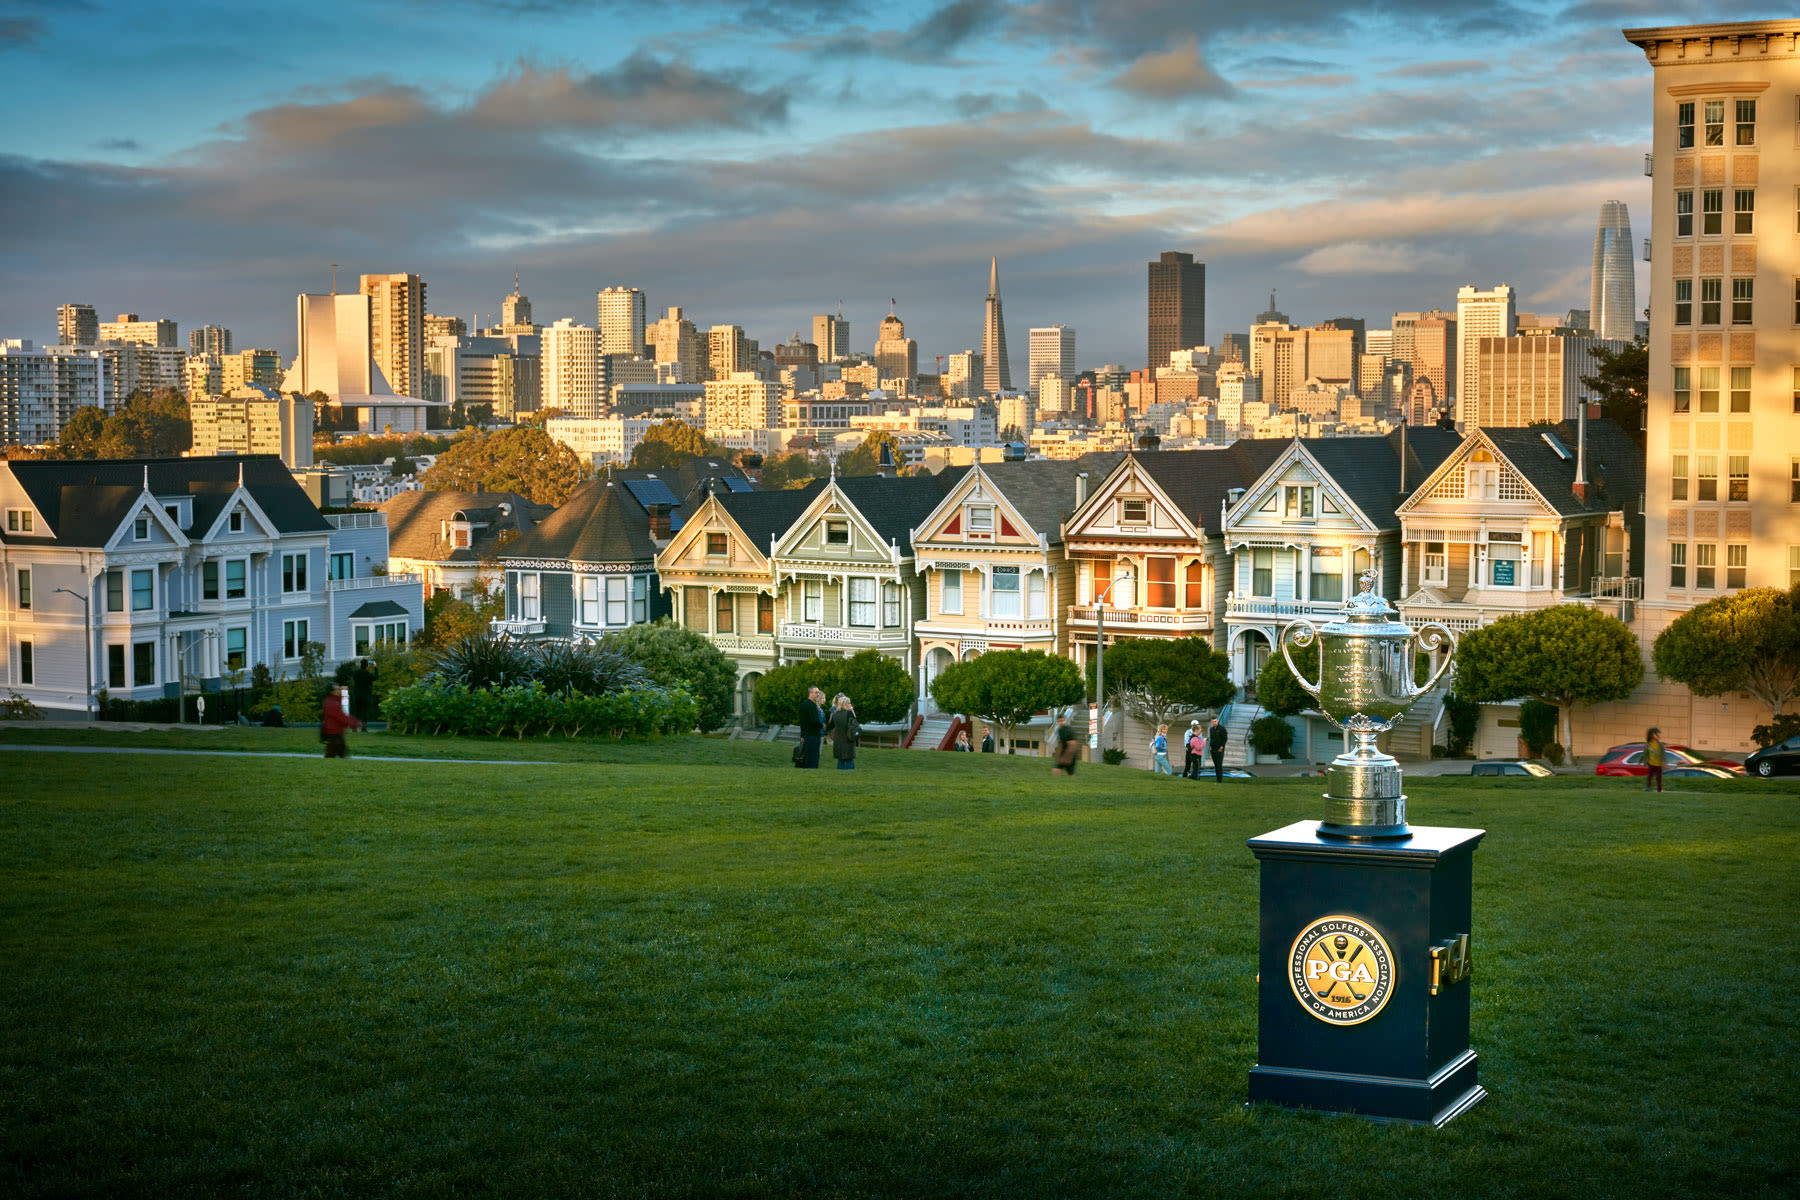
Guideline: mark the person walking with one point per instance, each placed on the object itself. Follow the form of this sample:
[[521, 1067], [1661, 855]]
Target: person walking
[[1653, 758], [812, 727], [362, 690], [987, 740], [844, 731], [1160, 748], [1194, 743], [962, 742], [334, 722], [1065, 749], [1215, 741]]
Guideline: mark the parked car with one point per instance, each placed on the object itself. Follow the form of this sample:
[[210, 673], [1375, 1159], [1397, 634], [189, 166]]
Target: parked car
[[1699, 771], [1629, 760], [1783, 758], [1512, 767]]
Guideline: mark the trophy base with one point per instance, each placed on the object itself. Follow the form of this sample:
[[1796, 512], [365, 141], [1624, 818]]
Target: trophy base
[[1364, 799]]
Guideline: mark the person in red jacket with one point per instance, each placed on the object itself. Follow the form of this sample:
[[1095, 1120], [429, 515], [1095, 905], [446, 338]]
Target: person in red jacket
[[334, 721]]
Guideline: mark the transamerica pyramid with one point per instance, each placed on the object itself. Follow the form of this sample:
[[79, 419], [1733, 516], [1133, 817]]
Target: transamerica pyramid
[[996, 373]]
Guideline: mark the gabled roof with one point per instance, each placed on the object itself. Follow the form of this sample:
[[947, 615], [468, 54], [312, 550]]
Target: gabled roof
[[1367, 469], [765, 516], [681, 482], [378, 608], [601, 523], [1042, 491], [894, 505], [83, 501], [415, 523], [1196, 481], [1615, 464]]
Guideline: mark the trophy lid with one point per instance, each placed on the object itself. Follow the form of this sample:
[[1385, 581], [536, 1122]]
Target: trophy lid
[[1367, 607]]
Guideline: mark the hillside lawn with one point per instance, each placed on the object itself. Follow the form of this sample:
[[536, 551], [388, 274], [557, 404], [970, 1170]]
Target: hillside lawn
[[684, 969]]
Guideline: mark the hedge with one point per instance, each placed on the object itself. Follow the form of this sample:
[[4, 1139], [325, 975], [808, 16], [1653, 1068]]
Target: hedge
[[435, 707]]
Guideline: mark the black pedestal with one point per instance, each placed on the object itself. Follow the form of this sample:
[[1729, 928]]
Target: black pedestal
[[1404, 902]]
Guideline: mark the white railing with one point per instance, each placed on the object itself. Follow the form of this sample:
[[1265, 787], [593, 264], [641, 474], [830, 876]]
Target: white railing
[[519, 626], [1621, 587], [744, 643], [358, 520], [838, 633], [1122, 617], [370, 581], [1262, 606]]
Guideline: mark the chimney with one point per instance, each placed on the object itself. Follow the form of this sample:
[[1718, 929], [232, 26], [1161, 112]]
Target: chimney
[[659, 521], [1581, 479], [884, 466], [1080, 489]]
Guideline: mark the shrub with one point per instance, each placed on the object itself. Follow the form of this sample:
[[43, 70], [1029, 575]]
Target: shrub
[[1439, 750], [677, 657], [1554, 752], [1465, 719], [484, 660], [440, 707], [1783, 727], [584, 667], [14, 707], [1112, 756], [1537, 726], [1271, 735], [877, 685]]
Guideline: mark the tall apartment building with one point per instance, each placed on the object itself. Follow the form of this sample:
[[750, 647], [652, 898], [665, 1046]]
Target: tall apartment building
[[677, 344], [129, 328], [573, 371], [261, 368], [1533, 377], [210, 339], [897, 356], [77, 325], [963, 374], [1612, 294], [744, 400], [397, 329], [258, 422], [140, 367], [203, 375], [41, 387], [1723, 414], [1177, 306], [437, 327], [1479, 314], [1285, 358], [996, 376], [619, 316], [727, 352], [831, 334], [1052, 353]]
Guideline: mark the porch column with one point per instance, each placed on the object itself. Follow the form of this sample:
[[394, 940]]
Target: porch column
[[1406, 566]]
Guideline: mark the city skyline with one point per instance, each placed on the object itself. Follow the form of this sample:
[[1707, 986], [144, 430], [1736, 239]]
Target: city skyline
[[592, 150]]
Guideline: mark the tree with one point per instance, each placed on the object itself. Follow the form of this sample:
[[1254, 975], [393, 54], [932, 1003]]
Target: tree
[[1620, 383], [668, 444], [789, 471], [1008, 687], [522, 460], [867, 457], [678, 657], [1276, 688], [1747, 641], [1156, 680], [449, 620], [81, 434], [879, 686], [1567, 655]]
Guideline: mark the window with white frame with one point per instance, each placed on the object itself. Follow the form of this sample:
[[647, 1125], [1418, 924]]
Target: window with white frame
[[379, 633], [1746, 122], [115, 591], [717, 545], [837, 533], [590, 600], [980, 521], [1743, 301], [27, 662], [618, 595], [1712, 292], [640, 598], [1505, 554], [1715, 123], [235, 522], [115, 666], [812, 601], [209, 579], [1684, 214], [1743, 210], [1006, 596], [1709, 389], [1737, 477], [1677, 564], [236, 571], [1794, 566], [1707, 477], [293, 573], [293, 638], [950, 596], [140, 529], [862, 603], [1794, 481], [1484, 481], [1134, 512], [237, 649], [1740, 389], [1036, 602], [1684, 385], [1540, 558], [1684, 302], [1684, 125], [24, 582], [343, 566], [1297, 501], [143, 591], [19, 520], [530, 604], [890, 606], [1436, 565], [143, 663], [1262, 571], [1706, 564], [1737, 564], [1327, 573]]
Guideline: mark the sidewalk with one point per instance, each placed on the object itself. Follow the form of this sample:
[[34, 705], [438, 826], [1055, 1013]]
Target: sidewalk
[[493, 762]]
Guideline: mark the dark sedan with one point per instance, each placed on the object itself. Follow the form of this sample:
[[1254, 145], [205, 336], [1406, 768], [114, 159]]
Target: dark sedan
[[1783, 758]]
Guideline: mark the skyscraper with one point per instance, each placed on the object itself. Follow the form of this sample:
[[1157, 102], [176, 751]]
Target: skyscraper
[[1612, 297], [831, 334], [397, 329], [1052, 353], [515, 311], [896, 355], [77, 325], [1479, 314], [209, 339], [996, 370], [620, 319], [1177, 306], [678, 344], [573, 371]]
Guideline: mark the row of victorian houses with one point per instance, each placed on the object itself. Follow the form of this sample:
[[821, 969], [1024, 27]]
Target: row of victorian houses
[[1228, 543]]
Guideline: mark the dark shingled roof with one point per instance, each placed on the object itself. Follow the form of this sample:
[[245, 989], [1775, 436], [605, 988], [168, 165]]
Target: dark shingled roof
[[684, 481], [1197, 480], [415, 523], [1615, 465], [601, 523], [1043, 490], [83, 501], [766, 515], [378, 608], [1367, 468], [893, 505]]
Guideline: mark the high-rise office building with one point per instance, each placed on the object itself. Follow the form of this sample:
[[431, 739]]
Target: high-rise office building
[[1177, 306], [996, 367], [261, 368], [896, 355], [129, 328], [678, 346], [438, 327], [203, 375], [210, 339], [1722, 471], [831, 334], [1428, 341], [515, 311], [620, 320], [1533, 377], [962, 375], [727, 352], [77, 325], [573, 371], [1052, 353], [1479, 314], [1612, 296], [397, 329]]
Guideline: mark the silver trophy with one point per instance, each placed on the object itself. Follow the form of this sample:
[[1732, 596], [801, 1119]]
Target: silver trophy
[[1365, 686]]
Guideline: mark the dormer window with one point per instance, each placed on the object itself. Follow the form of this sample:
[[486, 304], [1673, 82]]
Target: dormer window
[[1134, 512], [235, 522], [981, 521], [837, 533], [459, 537], [140, 529], [716, 545], [1297, 501], [19, 520]]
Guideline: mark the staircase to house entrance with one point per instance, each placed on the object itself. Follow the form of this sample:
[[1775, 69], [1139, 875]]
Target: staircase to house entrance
[[931, 734], [1237, 733], [1411, 738]]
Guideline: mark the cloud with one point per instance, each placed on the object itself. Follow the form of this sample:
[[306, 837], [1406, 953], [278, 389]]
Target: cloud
[[931, 39], [1457, 69], [20, 31], [1171, 74], [1379, 258], [118, 145], [640, 93]]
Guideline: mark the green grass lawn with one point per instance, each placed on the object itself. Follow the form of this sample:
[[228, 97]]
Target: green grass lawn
[[682, 969]]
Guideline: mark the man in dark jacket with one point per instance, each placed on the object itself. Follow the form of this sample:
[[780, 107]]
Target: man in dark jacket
[[987, 740], [1215, 741], [812, 728]]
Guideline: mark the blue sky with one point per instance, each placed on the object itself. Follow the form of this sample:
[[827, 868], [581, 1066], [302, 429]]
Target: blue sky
[[756, 161]]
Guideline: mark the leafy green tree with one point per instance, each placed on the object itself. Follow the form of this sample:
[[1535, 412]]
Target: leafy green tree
[[449, 620], [81, 434], [789, 471], [867, 457], [1620, 383], [1746, 641], [1567, 655], [668, 444], [1537, 726], [522, 460], [1156, 680], [780, 691], [674, 657], [879, 687], [1006, 688], [1276, 688]]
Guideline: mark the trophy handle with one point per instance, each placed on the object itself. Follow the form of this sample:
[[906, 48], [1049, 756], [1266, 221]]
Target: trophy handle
[[1430, 636], [1306, 634]]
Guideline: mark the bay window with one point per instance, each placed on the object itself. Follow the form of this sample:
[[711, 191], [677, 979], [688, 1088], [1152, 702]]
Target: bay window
[[890, 606], [1005, 593], [950, 595], [1037, 604], [862, 603], [1159, 582], [1437, 565], [812, 601], [1327, 580], [617, 591], [590, 600]]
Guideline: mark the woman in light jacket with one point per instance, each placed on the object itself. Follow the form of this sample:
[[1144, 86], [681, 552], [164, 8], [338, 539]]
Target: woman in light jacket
[[844, 730]]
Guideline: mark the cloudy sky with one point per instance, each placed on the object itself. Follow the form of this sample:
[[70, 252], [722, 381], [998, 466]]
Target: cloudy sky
[[757, 161]]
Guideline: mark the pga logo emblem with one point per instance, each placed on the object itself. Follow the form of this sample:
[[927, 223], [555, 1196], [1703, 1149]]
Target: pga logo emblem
[[1341, 970]]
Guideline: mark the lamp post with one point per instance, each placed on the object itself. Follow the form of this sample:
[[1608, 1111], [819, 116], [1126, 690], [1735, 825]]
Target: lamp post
[[182, 658], [87, 644], [1099, 715]]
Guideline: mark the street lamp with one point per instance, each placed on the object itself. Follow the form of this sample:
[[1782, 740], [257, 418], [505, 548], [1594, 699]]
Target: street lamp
[[182, 658], [1099, 714], [87, 644]]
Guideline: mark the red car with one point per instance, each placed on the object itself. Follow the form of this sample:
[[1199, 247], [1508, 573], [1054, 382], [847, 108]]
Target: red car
[[1629, 760]]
